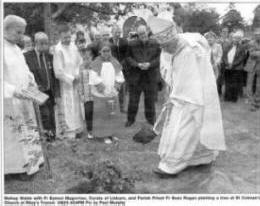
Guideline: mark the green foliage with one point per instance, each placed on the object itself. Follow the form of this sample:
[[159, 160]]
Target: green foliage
[[85, 13], [233, 20], [31, 12], [201, 21], [256, 20], [103, 177]]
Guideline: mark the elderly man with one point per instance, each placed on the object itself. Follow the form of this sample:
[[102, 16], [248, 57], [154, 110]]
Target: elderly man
[[66, 62], [119, 49], [22, 151], [192, 132], [40, 61], [143, 57], [234, 59]]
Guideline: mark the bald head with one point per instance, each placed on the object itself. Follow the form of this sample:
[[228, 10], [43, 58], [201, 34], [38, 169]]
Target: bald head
[[14, 28], [41, 42], [116, 32], [142, 33]]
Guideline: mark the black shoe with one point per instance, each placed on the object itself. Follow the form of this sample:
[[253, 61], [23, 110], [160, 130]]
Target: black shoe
[[129, 123]]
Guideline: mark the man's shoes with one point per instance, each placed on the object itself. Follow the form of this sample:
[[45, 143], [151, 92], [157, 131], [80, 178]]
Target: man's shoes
[[163, 174], [129, 123]]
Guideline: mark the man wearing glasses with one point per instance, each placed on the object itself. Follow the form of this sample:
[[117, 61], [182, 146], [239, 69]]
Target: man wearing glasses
[[143, 58]]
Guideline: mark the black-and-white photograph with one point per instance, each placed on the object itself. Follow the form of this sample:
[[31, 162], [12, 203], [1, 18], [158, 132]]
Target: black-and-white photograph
[[131, 98]]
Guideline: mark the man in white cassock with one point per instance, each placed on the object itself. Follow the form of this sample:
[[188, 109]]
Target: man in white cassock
[[190, 122], [22, 149], [66, 62]]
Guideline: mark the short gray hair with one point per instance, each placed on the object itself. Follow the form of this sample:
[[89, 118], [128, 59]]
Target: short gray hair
[[12, 21], [40, 35]]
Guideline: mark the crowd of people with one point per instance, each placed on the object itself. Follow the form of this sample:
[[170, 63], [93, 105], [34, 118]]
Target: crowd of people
[[235, 62], [85, 81]]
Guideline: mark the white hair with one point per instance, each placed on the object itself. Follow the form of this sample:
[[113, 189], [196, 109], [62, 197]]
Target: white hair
[[40, 35], [12, 21]]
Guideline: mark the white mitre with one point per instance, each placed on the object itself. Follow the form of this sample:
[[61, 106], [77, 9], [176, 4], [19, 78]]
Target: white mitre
[[163, 30]]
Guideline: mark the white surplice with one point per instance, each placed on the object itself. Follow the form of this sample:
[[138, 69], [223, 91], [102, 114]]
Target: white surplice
[[22, 149], [66, 64], [192, 131]]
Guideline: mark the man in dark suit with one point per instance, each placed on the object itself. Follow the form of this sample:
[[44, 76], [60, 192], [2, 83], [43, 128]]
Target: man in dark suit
[[40, 63], [119, 49], [234, 59], [143, 58]]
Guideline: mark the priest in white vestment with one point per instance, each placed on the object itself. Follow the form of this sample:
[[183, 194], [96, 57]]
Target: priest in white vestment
[[22, 149], [192, 131], [66, 62]]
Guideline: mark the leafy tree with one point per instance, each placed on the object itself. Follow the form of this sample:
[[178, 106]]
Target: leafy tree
[[41, 16], [256, 20], [233, 20], [201, 21], [32, 12], [193, 18]]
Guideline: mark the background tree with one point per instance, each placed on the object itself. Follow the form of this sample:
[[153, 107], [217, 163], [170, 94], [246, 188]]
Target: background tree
[[39, 15], [194, 18], [233, 19], [256, 20], [201, 21]]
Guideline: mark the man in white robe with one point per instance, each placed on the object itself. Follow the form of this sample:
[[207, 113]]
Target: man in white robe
[[22, 149], [66, 62], [192, 130]]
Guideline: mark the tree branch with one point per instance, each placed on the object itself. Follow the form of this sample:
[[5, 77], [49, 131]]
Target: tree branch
[[61, 8]]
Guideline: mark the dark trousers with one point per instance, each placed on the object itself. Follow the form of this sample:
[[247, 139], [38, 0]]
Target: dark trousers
[[89, 108], [220, 80], [47, 113], [234, 84], [149, 101], [122, 96]]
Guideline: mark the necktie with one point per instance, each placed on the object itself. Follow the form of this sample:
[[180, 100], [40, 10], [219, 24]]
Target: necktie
[[45, 79]]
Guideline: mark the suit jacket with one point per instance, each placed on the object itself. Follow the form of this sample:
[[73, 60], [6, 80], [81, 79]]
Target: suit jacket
[[33, 64], [138, 52], [119, 51], [239, 59]]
